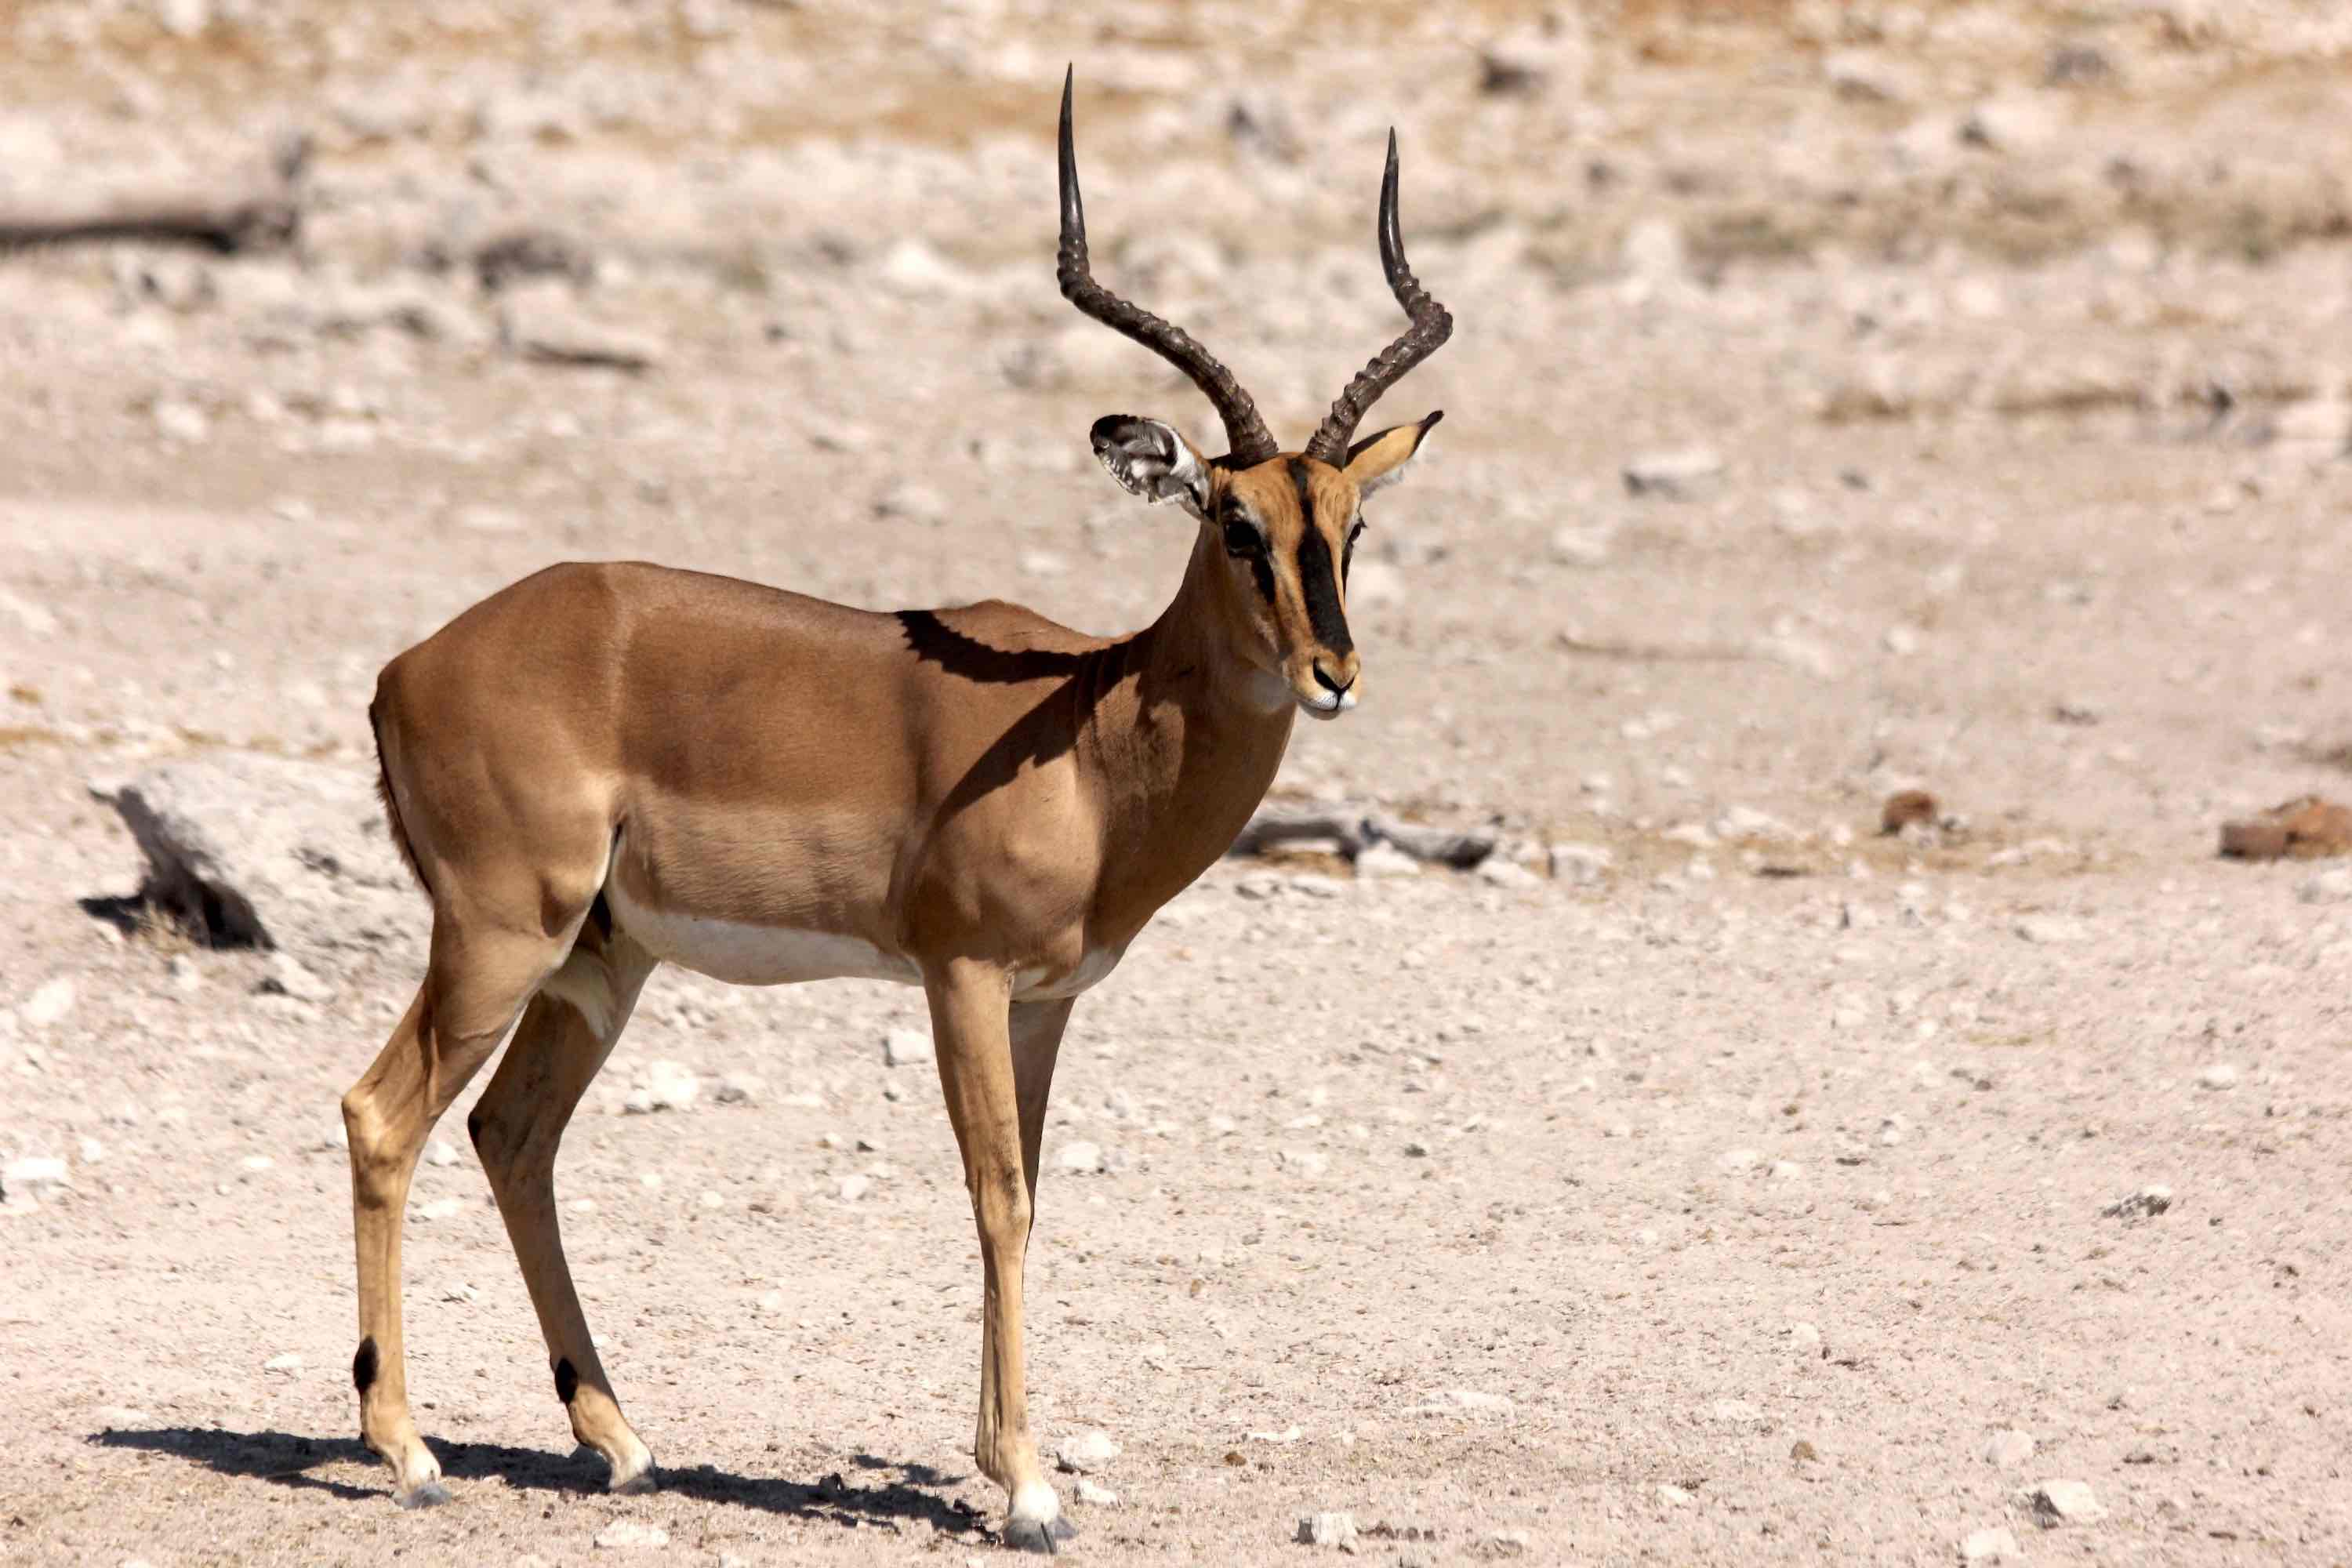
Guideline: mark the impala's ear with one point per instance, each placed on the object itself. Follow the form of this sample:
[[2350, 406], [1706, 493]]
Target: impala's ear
[[1378, 461], [1149, 460]]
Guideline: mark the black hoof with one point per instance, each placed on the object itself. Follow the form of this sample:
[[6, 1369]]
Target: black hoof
[[1028, 1535], [431, 1494]]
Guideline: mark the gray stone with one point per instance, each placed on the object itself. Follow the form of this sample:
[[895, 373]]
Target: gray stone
[[2008, 1448], [49, 1002], [543, 323], [1681, 475], [1080, 1158], [33, 1178], [2330, 886], [2145, 1204], [1994, 1543], [1380, 860], [906, 1048], [2066, 1502], [1333, 1529], [1094, 1494], [1086, 1453], [625, 1533]]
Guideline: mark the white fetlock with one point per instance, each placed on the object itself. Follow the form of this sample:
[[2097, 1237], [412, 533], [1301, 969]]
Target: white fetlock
[[1035, 1502], [633, 1472]]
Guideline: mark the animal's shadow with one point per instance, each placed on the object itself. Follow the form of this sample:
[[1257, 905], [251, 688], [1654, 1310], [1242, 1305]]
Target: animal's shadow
[[899, 1491]]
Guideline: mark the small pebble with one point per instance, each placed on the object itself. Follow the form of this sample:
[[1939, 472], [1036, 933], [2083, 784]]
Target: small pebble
[[2066, 1502], [2221, 1075], [1095, 1495], [1674, 1496], [441, 1154], [49, 1003], [1994, 1543], [1086, 1453], [1080, 1158], [2008, 1448], [906, 1048], [289, 1362], [632, 1532], [854, 1188], [1333, 1530]]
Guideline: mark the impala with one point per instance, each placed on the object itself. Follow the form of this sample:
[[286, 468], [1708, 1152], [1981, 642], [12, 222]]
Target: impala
[[604, 767]]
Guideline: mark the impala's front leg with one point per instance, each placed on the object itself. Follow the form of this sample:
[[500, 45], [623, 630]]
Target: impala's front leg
[[969, 1005]]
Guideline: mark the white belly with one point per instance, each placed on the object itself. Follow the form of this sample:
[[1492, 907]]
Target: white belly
[[753, 955]]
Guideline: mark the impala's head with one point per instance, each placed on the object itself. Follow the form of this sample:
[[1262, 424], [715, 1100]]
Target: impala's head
[[1285, 524]]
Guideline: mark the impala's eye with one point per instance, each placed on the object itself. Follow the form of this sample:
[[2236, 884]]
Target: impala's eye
[[1240, 539], [1348, 551]]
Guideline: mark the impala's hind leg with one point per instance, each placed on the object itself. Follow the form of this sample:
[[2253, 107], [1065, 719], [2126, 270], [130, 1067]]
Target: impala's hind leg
[[476, 984], [565, 1035]]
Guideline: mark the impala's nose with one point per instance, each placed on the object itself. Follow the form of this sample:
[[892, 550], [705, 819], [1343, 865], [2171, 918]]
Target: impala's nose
[[1336, 686]]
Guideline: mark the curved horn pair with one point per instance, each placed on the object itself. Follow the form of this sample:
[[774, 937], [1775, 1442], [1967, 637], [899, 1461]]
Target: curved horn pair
[[1246, 432]]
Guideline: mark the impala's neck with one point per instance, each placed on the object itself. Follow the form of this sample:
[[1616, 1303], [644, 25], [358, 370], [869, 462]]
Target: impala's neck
[[1184, 761]]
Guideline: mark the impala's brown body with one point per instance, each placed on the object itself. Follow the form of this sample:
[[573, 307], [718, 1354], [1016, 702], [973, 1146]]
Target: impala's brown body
[[605, 767]]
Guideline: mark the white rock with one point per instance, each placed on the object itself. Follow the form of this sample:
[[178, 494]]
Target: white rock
[[182, 18], [1653, 249], [1380, 858], [48, 1003], [1333, 1530], [2049, 931], [1674, 1496], [712, 1200], [1681, 474], [1737, 1160], [906, 1048], [854, 1188], [1497, 872], [2066, 1502], [2330, 886], [1786, 1170], [1580, 865], [260, 1162], [1805, 1336], [1079, 1158], [632, 1532], [912, 500], [1094, 1494], [1476, 1401], [672, 1086], [2008, 1448], [1994, 1543], [34, 1176], [182, 422], [439, 1208], [638, 1102], [739, 1088], [771, 1301], [914, 268], [1086, 1453], [441, 1154], [90, 1151], [287, 976], [1733, 1410], [1308, 1162], [1577, 546], [289, 1362], [2221, 1075]]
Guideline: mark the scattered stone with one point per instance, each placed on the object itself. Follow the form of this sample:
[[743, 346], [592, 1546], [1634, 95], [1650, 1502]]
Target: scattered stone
[[543, 323], [50, 1002], [2008, 1448], [912, 500], [1333, 1530], [1497, 872], [1674, 1496], [91, 1151], [2145, 1204], [1802, 1452], [289, 1363], [1739, 1160], [1473, 1401], [1733, 1410], [1805, 1336], [1094, 1494], [1509, 1542], [1994, 1543], [287, 976], [906, 1048], [1086, 1453], [2049, 931], [1904, 808], [441, 1154], [1079, 1158], [670, 1086], [1680, 474], [2306, 829], [1308, 1162], [2066, 1502], [1580, 865], [182, 18], [2221, 1075], [2331, 887], [1573, 545], [34, 1178], [439, 1208], [739, 1088], [183, 421], [1381, 859], [1416, 1150], [854, 1188], [624, 1532]]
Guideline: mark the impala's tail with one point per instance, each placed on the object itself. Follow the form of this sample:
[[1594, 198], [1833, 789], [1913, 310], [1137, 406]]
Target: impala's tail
[[391, 802]]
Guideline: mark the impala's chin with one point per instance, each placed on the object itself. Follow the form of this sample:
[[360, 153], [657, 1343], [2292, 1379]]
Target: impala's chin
[[1327, 705]]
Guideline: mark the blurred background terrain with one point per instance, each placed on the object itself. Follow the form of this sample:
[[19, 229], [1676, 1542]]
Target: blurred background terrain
[[1845, 398]]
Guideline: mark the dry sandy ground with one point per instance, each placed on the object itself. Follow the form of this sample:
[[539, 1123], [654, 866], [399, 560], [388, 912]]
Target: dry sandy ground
[[1724, 1209]]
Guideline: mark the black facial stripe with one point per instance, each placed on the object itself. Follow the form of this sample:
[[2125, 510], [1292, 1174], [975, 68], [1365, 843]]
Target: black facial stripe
[[1320, 587], [1262, 569]]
